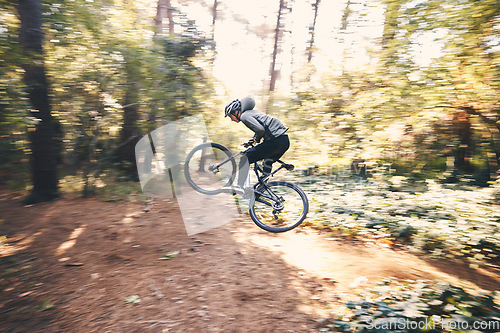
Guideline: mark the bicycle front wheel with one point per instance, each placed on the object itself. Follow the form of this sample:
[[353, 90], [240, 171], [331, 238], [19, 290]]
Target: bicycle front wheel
[[203, 169], [279, 206]]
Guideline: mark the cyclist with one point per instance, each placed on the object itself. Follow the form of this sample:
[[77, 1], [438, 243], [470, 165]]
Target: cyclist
[[268, 129]]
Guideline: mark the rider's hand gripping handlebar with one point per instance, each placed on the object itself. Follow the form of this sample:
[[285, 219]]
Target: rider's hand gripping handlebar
[[250, 143]]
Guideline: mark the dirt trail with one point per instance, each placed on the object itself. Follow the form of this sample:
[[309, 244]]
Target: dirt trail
[[84, 265]]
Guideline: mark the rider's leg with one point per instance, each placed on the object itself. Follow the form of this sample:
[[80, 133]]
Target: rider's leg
[[244, 168], [252, 155], [282, 144], [267, 165], [269, 149]]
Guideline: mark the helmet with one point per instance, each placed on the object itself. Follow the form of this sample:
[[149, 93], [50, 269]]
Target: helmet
[[231, 107], [247, 103]]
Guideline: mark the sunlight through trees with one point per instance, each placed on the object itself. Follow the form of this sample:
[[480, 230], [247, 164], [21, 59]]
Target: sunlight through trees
[[412, 83]]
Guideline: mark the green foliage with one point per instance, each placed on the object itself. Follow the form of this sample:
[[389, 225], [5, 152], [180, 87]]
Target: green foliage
[[101, 57], [14, 120], [419, 306], [407, 111], [45, 305], [454, 222], [114, 190], [169, 255], [104, 56]]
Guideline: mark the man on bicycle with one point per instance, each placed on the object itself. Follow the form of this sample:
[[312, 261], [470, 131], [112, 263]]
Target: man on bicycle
[[268, 129]]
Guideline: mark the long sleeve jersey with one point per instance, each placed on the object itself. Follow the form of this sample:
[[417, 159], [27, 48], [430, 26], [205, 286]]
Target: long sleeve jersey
[[264, 125]]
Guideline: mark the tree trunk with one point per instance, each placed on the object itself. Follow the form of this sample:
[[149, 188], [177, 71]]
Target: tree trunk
[[164, 9], [214, 17], [43, 160], [343, 30], [392, 14], [159, 17], [313, 29], [277, 38], [491, 125], [130, 133], [463, 130], [214, 21]]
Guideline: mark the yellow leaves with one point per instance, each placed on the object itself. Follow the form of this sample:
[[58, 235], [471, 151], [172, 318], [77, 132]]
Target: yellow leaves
[[3, 240], [387, 242]]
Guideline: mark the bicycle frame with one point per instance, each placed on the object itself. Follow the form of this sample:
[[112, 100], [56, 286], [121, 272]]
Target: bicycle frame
[[277, 206], [289, 167], [261, 180], [217, 166]]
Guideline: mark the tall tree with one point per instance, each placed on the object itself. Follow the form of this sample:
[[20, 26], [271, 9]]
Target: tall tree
[[43, 149], [164, 10], [312, 31], [277, 39], [476, 79], [214, 14], [389, 41], [214, 21], [130, 132], [467, 79], [343, 30]]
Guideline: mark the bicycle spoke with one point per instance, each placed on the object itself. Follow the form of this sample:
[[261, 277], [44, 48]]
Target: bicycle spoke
[[206, 171], [284, 208]]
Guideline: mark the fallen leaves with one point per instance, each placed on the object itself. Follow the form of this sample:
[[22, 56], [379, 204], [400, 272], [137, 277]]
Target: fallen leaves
[[134, 299], [459, 222], [169, 255]]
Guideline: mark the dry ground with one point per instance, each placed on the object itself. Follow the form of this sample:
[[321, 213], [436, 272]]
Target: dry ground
[[82, 265]]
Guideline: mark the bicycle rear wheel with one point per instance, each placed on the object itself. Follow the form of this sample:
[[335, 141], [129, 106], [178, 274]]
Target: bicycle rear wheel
[[201, 171], [279, 207]]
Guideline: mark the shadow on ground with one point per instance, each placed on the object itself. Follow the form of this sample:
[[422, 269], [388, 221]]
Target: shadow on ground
[[84, 265]]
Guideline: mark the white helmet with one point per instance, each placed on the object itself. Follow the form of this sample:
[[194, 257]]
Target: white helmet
[[235, 105]]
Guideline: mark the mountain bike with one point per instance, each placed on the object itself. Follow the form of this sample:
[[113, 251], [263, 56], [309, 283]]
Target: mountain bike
[[274, 206]]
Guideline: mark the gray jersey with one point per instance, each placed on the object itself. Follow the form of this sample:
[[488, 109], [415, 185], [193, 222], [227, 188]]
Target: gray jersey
[[264, 125]]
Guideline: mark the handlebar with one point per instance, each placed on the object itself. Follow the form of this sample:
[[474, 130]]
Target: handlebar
[[250, 143]]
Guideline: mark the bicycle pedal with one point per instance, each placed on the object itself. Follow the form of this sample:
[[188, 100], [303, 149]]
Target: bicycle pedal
[[231, 191]]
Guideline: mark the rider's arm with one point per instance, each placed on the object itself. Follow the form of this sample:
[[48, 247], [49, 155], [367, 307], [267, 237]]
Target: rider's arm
[[254, 125]]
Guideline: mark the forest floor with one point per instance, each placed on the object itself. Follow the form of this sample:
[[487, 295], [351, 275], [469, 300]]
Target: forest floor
[[84, 265]]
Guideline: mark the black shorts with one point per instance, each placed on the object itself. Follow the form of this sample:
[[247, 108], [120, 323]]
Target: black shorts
[[269, 149]]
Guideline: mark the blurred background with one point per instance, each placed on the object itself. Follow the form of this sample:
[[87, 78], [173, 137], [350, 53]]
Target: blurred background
[[411, 85], [394, 115]]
